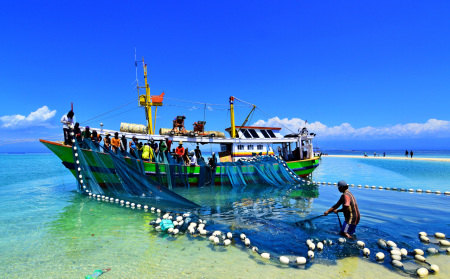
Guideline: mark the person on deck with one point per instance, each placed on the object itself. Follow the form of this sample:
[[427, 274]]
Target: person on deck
[[146, 152], [123, 144], [96, 137], [86, 133], [198, 152], [162, 150], [77, 133], [67, 121], [350, 209], [212, 161], [154, 146], [179, 152], [115, 142], [133, 146], [169, 144], [193, 161], [107, 141]]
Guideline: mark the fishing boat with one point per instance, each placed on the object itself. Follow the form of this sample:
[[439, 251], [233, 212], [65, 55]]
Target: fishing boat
[[242, 143]]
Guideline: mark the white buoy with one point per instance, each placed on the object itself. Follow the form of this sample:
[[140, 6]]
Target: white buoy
[[216, 240], [158, 210], [170, 230], [127, 203], [242, 236], [301, 260], [247, 242], [366, 186], [379, 256], [447, 193], [81, 181], [79, 169], [80, 176], [255, 249], [423, 234], [94, 195], [434, 268], [203, 232], [145, 206], [179, 218], [444, 242], [165, 216], [227, 242], [419, 191], [229, 235], [411, 190], [373, 187], [320, 246], [180, 223], [193, 225], [217, 233], [391, 243], [284, 260], [404, 252], [122, 201], [360, 244], [448, 250], [428, 191], [170, 218], [396, 257], [432, 250], [439, 235], [312, 246], [437, 192], [396, 252], [76, 154], [418, 252], [387, 188], [420, 258], [424, 239], [158, 221], [397, 263], [380, 187], [152, 209], [90, 194], [342, 240], [176, 231], [359, 186], [308, 242], [74, 148], [175, 223], [191, 230], [78, 162], [158, 228], [366, 252], [265, 256], [103, 197], [422, 272], [116, 200], [310, 254]]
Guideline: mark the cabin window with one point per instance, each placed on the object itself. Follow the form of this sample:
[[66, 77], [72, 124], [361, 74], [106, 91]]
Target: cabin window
[[271, 133], [265, 134], [250, 147], [223, 147], [253, 133], [246, 134], [259, 147], [240, 147]]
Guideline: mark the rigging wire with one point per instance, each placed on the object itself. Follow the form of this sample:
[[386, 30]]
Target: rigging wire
[[115, 115], [109, 111]]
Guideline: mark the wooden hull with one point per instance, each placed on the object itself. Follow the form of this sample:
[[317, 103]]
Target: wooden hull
[[301, 167]]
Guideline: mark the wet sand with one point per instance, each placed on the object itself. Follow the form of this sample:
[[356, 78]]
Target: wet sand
[[390, 158]]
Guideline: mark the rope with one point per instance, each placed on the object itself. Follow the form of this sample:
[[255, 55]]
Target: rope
[[114, 115], [109, 111]]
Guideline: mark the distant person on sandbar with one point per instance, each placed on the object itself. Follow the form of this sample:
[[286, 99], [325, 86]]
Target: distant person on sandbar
[[374, 154], [349, 208], [384, 154], [411, 153], [406, 153]]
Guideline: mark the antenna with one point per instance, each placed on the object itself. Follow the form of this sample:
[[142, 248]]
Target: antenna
[[135, 62]]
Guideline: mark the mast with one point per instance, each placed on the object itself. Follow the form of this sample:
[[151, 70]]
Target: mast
[[148, 101], [233, 127]]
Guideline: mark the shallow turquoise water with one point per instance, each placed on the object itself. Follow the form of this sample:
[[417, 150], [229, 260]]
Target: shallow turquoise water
[[50, 231]]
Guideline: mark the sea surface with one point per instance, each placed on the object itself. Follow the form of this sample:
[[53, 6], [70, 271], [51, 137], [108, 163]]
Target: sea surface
[[49, 230]]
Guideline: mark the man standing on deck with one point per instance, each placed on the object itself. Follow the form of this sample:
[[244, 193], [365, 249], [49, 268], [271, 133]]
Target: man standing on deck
[[350, 209]]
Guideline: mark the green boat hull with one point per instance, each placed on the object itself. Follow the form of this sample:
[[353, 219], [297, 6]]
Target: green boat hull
[[301, 167]]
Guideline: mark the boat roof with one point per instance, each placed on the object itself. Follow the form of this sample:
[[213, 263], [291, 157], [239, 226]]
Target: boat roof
[[254, 127]]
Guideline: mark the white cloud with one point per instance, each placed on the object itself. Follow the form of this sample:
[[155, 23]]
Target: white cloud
[[39, 117], [345, 130]]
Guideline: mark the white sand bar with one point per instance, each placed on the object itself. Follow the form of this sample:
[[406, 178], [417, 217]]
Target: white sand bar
[[390, 158]]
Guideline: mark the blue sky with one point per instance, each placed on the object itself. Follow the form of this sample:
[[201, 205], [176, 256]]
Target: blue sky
[[364, 75]]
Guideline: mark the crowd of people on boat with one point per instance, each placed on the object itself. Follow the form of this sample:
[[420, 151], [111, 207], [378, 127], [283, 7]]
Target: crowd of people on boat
[[119, 144]]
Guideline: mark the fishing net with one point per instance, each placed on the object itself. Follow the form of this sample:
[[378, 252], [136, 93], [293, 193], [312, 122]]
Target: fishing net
[[121, 177]]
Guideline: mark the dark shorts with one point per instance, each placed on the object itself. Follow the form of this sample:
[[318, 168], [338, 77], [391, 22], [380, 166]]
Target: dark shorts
[[350, 229]]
